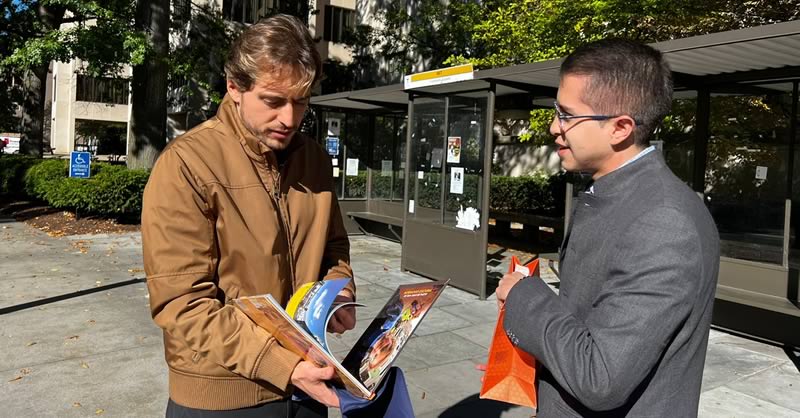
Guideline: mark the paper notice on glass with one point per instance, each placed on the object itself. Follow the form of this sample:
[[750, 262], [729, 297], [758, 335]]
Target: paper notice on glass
[[436, 158], [386, 168], [411, 206], [420, 175], [454, 149], [335, 171], [457, 180], [335, 161], [352, 167], [761, 172]]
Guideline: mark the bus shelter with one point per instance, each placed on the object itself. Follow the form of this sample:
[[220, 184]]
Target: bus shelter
[[732, 136], [425, 168]]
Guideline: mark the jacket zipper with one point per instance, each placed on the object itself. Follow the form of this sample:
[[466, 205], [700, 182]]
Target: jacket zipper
[[276, 195]]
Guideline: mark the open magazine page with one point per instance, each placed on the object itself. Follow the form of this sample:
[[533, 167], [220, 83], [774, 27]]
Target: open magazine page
[[268, 314], [311, 305], [381, 342]]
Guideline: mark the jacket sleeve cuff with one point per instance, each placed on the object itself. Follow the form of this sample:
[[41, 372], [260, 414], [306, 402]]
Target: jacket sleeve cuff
[[276, 365], [530, 298]]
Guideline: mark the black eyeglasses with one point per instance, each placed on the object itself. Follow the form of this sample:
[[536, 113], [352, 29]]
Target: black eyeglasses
[[565, 117]]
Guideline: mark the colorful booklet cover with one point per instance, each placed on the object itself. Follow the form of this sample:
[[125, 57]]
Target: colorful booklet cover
[[301, 328]]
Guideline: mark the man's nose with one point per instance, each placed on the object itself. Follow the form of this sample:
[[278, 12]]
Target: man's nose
[[555, 126], [286, 115]]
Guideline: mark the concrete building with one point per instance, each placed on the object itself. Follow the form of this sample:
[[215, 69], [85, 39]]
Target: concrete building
[[92, 114]]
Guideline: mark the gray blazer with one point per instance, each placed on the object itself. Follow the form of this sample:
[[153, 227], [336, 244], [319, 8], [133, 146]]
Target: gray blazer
[[627, 333]]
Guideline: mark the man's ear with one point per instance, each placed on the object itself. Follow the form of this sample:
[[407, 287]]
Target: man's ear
[[622, 129], [233, 91]]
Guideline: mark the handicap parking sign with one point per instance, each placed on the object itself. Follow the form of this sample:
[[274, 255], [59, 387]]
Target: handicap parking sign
[[80, 164]]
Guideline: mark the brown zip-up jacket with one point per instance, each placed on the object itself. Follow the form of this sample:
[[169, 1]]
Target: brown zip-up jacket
[[221, 219]]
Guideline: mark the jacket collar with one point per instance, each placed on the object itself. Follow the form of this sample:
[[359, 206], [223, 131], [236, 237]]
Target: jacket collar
[[228, 114]]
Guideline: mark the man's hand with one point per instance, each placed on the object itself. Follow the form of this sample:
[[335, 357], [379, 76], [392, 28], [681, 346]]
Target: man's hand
[[506, 283], [481, 367], [311, 379], [344, 319]]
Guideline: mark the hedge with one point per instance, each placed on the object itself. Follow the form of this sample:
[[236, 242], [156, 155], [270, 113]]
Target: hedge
[[12, 174], [116, 191], [538, 194], [112, 190]]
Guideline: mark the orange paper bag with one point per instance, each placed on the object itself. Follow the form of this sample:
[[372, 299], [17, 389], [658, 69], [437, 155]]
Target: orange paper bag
[[510, 372]]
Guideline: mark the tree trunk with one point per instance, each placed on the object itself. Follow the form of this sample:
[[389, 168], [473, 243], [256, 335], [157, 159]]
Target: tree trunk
[[32, 118], [35, 90], [147, 135]]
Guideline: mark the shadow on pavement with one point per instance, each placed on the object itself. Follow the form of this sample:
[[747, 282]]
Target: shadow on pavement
[[474, 407], [70, 295]]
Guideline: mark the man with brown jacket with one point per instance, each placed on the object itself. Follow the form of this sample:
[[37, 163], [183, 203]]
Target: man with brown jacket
[[244, 205]]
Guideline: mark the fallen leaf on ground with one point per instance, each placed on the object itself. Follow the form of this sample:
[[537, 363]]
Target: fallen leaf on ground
[[84, 365], [100, 411], [25, 371], [72, 338], [76, 405], [31, 343], [15, 379], [91, 322]]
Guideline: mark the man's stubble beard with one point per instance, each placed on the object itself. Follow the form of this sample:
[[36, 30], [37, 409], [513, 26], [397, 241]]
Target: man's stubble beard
[[262, 137]]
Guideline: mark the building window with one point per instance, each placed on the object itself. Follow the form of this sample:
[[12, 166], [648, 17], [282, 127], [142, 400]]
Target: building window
[[102, 90], [338, 21], [181, 12], [250, 11]]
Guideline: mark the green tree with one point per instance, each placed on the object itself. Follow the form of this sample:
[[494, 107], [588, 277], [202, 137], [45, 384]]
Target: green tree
[[99, 34]]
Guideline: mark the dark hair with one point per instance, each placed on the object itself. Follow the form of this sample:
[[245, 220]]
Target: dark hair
[[625, 78], [279, 42]]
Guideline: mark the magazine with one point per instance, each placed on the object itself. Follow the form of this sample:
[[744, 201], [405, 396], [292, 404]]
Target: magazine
[[301, 328]]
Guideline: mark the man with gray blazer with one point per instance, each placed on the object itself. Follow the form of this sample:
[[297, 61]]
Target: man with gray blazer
[[627, 333]]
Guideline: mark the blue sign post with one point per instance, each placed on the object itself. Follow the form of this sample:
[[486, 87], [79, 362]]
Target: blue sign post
[[80, 164]]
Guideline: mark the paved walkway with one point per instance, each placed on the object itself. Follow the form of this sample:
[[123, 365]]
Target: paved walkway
[[77, 338]]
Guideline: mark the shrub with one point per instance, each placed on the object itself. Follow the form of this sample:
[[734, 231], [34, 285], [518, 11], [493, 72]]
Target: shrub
[[12, 174], [536, 194], [43, 177], [112, 190]]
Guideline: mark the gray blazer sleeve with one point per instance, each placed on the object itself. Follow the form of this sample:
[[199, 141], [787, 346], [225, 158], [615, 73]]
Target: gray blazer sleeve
[[646, 296]]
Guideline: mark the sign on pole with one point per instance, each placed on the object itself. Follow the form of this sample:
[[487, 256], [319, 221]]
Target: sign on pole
[[441, 76], [80, 164]]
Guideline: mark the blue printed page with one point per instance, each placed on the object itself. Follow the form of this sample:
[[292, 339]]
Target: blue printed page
[[312, 311]]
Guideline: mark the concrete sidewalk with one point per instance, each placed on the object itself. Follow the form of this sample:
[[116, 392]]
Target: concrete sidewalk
[[74, 345]]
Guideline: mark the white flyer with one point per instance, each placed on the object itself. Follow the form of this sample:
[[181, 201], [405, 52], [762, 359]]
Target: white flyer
[[386, 168], [335, 171], [352, 167], [457, 180]]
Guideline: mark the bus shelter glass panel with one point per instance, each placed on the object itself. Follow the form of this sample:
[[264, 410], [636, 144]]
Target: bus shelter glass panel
[[746, 172], [676, 136], [385, 179], [427, 159], [400, 158], [356, 135], [464, 148]]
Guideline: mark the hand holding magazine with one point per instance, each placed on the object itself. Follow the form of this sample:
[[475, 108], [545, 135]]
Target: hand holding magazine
[[301, 328]]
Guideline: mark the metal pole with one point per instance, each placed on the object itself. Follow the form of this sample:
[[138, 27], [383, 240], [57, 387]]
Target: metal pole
[[487, 181], [443, 174], [787, 221], [406, 187]]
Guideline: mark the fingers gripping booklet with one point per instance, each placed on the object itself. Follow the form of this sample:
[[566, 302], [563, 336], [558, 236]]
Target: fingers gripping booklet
[[301, 328]]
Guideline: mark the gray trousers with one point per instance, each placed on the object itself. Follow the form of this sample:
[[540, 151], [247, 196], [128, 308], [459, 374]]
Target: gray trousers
[[276, 409]]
